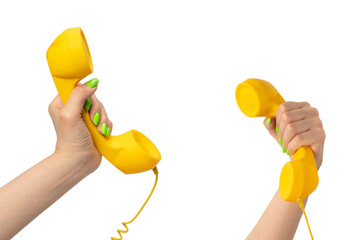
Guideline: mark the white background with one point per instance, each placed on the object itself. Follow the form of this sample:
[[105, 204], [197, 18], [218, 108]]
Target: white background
[[169, 69]]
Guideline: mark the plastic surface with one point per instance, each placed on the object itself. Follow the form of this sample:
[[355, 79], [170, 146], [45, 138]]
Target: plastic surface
[[257, 98], [298, 178], [70, 61]]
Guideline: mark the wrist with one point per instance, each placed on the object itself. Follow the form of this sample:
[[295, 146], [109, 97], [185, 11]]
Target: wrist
[[82, 164]]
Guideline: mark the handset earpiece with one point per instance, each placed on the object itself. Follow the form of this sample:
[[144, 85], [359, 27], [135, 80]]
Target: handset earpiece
[[257, 98], [70, 61], [298, 178]]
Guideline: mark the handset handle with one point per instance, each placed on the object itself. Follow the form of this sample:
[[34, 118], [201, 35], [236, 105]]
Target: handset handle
[[70, 61]]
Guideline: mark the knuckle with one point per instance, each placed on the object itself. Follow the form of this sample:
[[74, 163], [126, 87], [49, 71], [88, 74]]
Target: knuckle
[[286, 117], [315, 111], [299, 138], [291, 128], [80, 91], [306, 104], [65, 116], [283, 107], [322, 134]]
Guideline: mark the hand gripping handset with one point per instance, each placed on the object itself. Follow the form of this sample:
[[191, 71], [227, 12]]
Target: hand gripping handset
[[298, 178], [70, 61]]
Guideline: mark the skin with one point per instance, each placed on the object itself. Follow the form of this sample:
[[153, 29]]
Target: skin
[[299, 125], [74, 158]]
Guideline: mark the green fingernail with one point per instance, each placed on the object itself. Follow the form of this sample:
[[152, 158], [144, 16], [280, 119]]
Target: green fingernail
[[93, 82], [103, 128], [277, 130], [268, 121], [281, 141], [284, 149], [107, 131], [96, 118], [287, 152], [87, 104]]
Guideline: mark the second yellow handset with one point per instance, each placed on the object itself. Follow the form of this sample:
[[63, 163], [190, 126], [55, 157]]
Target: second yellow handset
[[298, 178]]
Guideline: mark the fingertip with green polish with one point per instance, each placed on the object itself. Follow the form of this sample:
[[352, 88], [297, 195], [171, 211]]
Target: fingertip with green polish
[[103, 128], [281, 141], [284, 149], [277, 129], [88, 104], [107, 131], [96, 118], [93, 82], [287, 152], [268, 121]]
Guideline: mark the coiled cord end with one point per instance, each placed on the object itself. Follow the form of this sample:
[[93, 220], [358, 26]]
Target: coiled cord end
[[156, 172]]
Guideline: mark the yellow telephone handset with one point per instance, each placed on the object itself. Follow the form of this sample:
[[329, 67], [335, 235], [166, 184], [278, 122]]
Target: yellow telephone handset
[[70, 61], [298, 178]]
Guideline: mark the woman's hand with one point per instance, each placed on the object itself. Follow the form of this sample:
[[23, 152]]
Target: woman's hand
[[74, 141], [75, 158], [298, 124]]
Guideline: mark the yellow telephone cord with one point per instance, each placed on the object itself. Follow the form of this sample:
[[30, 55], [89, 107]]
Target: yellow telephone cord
[[301, 205], [125, 223]]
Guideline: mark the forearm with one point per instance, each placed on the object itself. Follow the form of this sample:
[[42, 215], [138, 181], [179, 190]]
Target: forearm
[[279, 221], [28, 195]]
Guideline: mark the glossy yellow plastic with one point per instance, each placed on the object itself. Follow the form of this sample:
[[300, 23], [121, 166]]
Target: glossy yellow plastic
[[70, 61], [298, 178], [257, 98]]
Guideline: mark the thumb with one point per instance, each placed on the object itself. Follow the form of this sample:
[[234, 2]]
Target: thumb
[[270, 125], [79, 95]]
